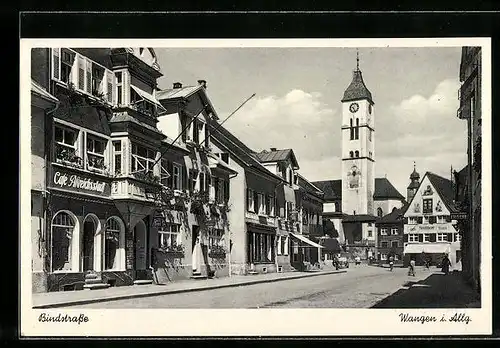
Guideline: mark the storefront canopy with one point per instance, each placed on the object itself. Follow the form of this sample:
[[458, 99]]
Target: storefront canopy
[[306, 240], [429, 248]]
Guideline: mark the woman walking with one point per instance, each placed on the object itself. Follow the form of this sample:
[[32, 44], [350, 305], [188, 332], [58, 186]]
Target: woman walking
[[411, 268], [445, 265]]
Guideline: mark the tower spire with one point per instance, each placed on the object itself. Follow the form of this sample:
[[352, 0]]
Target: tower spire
[[357, 59]]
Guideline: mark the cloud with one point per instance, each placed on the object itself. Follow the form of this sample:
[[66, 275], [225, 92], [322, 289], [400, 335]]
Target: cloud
[[298, 120]]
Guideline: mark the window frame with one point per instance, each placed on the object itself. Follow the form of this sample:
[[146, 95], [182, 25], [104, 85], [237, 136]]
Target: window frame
[[165, 232], [412, 237], [383, 231], [427, 205], [426, 238]]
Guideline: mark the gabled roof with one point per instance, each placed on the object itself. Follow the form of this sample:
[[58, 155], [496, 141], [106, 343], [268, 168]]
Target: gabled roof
[[385, 190], [332, 189], [357, 89], [184, 93], [278, 155], [445, 188], [307, 186], [394, 216], [238, 149]]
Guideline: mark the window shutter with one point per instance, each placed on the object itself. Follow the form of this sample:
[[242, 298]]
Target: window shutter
[[405, 238], [226, 190], [170, 170], [81, 73], [433, 237], [110, 87], [88, 86], [420, 238], [184, 178], [56, 55], [420, 219]]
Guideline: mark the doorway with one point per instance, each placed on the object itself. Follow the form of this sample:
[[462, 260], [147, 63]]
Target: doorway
[[140, 245], [89, 229], [196, 250]]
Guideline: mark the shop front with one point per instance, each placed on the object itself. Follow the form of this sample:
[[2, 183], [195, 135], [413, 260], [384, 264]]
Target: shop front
[[261, 252], [85, 233], [306, 254]]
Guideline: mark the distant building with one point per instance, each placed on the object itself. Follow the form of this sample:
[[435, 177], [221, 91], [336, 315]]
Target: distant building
[[470, 110], [390, 236], [428, 226], [353, 203]]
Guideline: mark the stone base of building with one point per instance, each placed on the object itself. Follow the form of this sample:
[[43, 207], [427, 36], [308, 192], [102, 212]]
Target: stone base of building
[[38, 282], [172, 273], [76, 280]]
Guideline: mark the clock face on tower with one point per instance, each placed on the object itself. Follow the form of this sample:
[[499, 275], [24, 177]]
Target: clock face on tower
[[354, 107]]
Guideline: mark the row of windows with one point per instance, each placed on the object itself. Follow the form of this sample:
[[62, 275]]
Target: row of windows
[[309, 217], [385, 231], [431, 237], [355, 154], [92, 154], [393, 244], [260, 203], [429, 219], [169, 236]]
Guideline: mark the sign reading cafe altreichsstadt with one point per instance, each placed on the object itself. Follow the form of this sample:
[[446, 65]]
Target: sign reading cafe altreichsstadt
[[79, 182]]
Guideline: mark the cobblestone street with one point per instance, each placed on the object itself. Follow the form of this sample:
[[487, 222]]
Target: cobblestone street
[[360, 287]]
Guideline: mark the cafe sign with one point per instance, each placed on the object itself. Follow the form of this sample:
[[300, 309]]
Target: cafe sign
[[79, 182], [440, 228]]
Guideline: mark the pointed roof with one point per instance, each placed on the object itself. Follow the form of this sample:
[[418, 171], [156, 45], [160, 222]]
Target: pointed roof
[[278, 155], [357, 89], [385, 190], [395, 216], [445, 188]]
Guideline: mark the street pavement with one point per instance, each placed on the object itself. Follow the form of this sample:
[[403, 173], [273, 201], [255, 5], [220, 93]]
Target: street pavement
[[360, 287]]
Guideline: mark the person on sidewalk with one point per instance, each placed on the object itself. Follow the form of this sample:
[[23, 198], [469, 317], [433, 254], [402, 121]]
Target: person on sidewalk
[[391, 263], [411, 268], [445, 265]]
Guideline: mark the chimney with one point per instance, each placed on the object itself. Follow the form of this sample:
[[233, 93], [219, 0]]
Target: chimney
[[203, 83], [273, 149], [177, 85]]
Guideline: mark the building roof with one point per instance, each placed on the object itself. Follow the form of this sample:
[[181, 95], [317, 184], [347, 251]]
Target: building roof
[[385, 190], [239, 149], [395, 216], [445, 188], [359, 218], [183, 92], [125, 117], [357, 89], [330, 244], [332, 189], [38, 89], [309, 187], [275, 155]]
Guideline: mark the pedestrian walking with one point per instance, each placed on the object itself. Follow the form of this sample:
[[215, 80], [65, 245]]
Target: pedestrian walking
[[445, 265], [357, 260], [411, 268], [391, 262], [426, 260]]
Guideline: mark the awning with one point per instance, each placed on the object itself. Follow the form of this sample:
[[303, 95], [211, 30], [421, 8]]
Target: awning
[[306, 240], [428, 248], [148, 97]]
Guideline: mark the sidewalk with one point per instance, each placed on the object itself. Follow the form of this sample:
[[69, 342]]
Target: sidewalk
[[435, 291], [71, 298]]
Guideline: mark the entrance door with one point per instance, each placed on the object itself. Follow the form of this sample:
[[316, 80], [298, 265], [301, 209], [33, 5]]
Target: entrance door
[[196, 249], [140, 245], [88, 245]]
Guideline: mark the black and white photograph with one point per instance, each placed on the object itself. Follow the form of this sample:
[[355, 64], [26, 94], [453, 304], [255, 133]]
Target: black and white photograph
[[258, 184]]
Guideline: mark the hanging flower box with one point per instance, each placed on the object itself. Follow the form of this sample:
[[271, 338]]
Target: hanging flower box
[[217, 252], [176, 251]]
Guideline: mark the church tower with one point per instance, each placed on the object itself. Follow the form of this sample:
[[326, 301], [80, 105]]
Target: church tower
[[414, 184], [358, 147]]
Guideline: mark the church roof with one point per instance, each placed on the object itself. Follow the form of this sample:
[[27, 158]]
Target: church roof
[[383, 189], [357, 89]]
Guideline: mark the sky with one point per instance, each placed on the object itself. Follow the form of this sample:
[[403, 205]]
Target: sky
[[298, 102]]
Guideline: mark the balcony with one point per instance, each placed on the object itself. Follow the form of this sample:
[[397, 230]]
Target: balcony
[[132, 188]]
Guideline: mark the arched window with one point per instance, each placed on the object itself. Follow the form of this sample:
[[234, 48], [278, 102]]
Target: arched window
[[351, 129], [63, 226], [351, 154], [357, 129], [356, 154], [379, 212], [112, 243]]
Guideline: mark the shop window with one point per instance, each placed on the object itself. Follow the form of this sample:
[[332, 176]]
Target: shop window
[[413, 237], [63, 226], [394, 231], [280, 245], [95, 153], [427, 206], [142, 159], [65, 143], [112, 243], [169, 236], [262, 247]]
